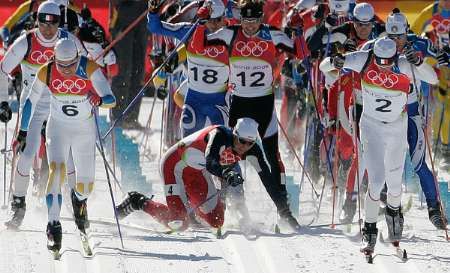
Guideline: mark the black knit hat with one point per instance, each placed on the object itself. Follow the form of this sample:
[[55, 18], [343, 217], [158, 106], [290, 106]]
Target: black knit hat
[[252, 8]]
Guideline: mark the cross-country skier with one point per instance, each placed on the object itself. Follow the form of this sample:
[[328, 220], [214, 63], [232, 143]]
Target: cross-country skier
[[205, 101], [188, 168], [386, 92], [30, 51], [416, 49], [253, 49], [75, 85]]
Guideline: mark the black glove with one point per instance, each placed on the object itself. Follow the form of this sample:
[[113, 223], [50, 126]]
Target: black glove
[[162, 92], [5, 112], [233, 178], [350, 45], [331, 20], [21, 141], [412, 56], [153, 6], [338, 61], [172, 64], [320, 12], [443, 58]]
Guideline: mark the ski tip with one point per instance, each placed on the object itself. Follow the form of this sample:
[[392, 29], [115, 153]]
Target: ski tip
[[405, 255]]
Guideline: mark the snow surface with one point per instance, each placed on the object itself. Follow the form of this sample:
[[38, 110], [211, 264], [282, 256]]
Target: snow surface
[[147, 249]]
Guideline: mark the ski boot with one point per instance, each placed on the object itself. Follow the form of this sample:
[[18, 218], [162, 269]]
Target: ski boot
[[287, 218], [80, 212], [134, 201], [394, 221], [18, 207], [436, 217], [370, 233], [348, 210], [54, 237]]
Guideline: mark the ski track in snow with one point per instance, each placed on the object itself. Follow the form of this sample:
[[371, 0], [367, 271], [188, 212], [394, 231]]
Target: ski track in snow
[[198, 250]]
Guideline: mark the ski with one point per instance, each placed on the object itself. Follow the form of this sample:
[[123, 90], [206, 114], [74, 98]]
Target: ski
[[85, 244]]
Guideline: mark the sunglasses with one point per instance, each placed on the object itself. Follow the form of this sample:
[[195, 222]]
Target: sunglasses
[[363, 24], [66, 65], [396, 36], [244, 141], [215, 20], [251, 20]]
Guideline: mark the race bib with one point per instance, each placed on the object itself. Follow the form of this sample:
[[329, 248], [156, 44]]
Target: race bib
[[207, 75], [251, 77]]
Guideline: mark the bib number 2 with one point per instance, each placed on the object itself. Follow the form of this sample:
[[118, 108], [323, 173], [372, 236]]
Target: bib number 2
[[70, 110], [384, 105]]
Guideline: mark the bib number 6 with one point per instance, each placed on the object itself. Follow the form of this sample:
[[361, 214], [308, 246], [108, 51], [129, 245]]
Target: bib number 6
[[384, 106], [70, 110]]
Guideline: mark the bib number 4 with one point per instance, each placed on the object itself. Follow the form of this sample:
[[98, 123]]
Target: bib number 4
[[384, 105], [70, 110]]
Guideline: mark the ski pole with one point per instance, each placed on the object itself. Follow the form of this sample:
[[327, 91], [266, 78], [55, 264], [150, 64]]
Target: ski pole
[[296, 156], [336, 153], [438, 136], [102, 153], [155, 72], [111, 170], [4, 166]]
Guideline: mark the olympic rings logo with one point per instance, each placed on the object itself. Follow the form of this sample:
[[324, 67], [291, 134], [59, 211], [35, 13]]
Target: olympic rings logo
[[40, 57], [74, 87], [251, 48], [441, 26], [386, 80], [212, 51]]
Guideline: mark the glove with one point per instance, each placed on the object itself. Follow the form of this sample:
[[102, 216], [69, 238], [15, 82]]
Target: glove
[[94, 99], [320, 12], [20, 142], [338, 61], [86, 13], [204, 12], [412, 57], [350, 45], [161, 92], [331, 20], [172, 64], [233, 178], [5, 112], [442, 58], [153, 6]]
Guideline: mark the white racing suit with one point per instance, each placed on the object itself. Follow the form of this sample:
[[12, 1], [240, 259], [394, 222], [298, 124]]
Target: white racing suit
[[70, 127], [31, 50], [384, 121]]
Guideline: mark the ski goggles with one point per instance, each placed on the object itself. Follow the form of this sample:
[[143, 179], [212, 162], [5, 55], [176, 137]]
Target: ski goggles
[[215, 20], [245, 141], [48, 19]]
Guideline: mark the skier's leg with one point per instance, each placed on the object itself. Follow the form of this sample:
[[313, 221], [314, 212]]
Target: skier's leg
[[192, 118], [83, 155], [200, 189], [58, 146], [396, 142], [373, 154]]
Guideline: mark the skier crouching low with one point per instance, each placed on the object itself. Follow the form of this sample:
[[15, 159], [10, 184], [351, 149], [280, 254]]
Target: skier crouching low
[[187, 169]]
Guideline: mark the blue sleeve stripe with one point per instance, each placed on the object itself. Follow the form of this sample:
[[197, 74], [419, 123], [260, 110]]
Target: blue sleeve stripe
[[108, 101], [413, 109], [26, 115]]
